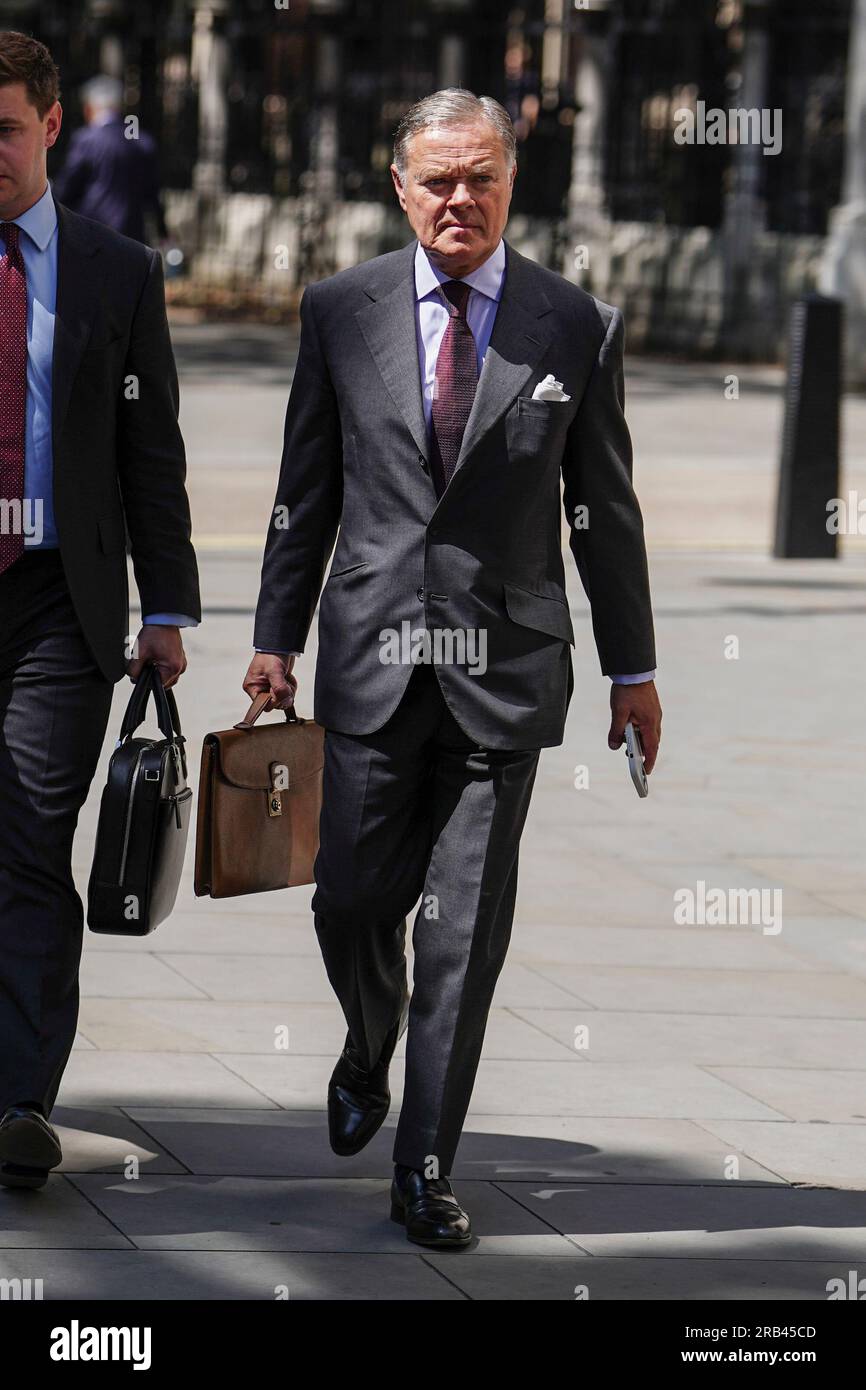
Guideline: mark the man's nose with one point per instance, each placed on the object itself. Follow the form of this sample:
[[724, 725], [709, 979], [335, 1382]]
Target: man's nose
[[461, 194]]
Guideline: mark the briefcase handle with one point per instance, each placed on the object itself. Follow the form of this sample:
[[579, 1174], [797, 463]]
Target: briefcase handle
[[150, 683], [262, 702]]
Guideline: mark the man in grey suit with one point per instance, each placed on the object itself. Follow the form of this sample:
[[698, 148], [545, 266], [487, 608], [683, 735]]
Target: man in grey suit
[[441, 392]]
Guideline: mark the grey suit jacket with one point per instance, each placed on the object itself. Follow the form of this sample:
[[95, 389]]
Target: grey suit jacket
[[487, 556]]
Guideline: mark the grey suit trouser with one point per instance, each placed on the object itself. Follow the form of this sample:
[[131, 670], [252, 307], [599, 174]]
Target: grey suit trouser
[[419, 810], [54, 708]]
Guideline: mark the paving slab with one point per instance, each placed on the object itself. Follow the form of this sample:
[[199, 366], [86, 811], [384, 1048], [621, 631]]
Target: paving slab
[[598, 1149], [114, 975], [518, 1279], [825, 1154], [105, 1140], [817, 1095], [184, 1275], [55, 1217], [706, 1039], [256, 977], [787, 993], [680, 948], [732, 1222], [98, 1078], [348, 1215], [608, 1088]]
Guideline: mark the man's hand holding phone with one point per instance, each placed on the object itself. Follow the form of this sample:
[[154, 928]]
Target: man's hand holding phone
[[637, 705]]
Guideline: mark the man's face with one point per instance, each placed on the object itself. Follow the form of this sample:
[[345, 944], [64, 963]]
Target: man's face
[[456, 192], [24, 140]]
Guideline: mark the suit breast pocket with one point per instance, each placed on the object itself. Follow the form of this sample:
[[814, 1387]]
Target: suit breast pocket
[[535, 428]]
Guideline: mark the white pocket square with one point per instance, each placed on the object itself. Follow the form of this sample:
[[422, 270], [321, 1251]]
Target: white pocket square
[[549, 390]]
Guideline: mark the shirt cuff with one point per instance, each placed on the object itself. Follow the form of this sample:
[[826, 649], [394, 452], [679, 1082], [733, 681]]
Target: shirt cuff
[[634, 680], [170, 620]]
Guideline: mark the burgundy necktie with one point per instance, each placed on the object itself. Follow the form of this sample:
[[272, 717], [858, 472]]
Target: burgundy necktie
[[456, 380], [13, 388]]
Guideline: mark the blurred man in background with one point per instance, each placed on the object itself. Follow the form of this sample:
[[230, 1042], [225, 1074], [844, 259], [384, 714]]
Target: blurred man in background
[[111, 172]]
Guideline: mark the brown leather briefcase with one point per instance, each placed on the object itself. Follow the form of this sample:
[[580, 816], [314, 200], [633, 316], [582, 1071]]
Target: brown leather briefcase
[[259, 798]]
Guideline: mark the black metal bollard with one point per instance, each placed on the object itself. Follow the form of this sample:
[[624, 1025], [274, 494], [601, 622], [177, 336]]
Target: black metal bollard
[[809, 466]]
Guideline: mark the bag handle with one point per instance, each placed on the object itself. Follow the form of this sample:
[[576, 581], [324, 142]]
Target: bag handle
[[150, 683], [262, 702]]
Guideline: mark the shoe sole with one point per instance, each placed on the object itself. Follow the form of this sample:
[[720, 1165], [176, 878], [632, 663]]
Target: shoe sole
[[442, 1243], [32, 1181], [25, 1143]]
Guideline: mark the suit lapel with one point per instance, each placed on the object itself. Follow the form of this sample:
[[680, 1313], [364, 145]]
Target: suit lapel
[[388, 326], [517, 344], [74, 311]]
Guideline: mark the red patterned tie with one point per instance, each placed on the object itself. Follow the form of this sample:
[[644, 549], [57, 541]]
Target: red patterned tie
[[456, 380], [13, 391]]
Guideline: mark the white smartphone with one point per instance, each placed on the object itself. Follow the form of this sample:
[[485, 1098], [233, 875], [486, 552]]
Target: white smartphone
[[634, 753]]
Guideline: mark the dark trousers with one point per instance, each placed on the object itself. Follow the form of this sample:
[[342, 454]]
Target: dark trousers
[[418, 809], [54, 707]]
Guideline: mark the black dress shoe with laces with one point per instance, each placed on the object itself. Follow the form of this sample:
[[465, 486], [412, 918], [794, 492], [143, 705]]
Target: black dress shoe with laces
[[359, 1099], [29, 1147], [429, 1210]]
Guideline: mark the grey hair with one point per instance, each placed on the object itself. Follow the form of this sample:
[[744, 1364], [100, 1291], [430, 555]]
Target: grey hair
[[103, 92], [453, 106]]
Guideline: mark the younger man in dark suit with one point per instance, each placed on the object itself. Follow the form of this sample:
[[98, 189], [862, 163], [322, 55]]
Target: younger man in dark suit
[[89, 450]]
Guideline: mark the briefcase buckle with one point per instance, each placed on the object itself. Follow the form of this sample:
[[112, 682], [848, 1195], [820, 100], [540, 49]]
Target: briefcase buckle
[[275, 803]]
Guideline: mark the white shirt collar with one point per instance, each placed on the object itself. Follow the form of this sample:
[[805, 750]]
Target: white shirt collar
[[488, 278]]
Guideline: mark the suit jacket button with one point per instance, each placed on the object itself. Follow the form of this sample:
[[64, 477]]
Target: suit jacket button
[[421, 595]]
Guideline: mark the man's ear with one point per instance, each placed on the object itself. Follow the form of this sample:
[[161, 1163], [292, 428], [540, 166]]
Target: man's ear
[[398, 185], [54, 120]]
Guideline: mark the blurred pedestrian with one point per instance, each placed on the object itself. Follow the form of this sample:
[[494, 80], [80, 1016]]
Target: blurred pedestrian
[[111, 172]]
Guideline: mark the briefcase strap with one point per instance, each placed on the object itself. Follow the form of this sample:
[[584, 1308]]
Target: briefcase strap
[[150, 683], [262, 702]]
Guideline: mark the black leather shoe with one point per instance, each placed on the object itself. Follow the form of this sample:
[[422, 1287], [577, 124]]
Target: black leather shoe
[[27, 1140], [429, 1210], [17, 1175], [358, 1100]]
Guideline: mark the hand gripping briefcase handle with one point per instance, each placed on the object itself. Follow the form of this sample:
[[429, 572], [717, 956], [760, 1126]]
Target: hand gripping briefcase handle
[[260, 797], [262, 702]]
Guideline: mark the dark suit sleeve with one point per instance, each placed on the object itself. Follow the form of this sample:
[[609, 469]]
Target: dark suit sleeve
[[308, 502], [608, 542], [68, 186], [152, 463]]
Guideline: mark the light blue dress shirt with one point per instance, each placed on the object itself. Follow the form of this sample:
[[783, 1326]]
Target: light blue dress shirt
[[39, 251]]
